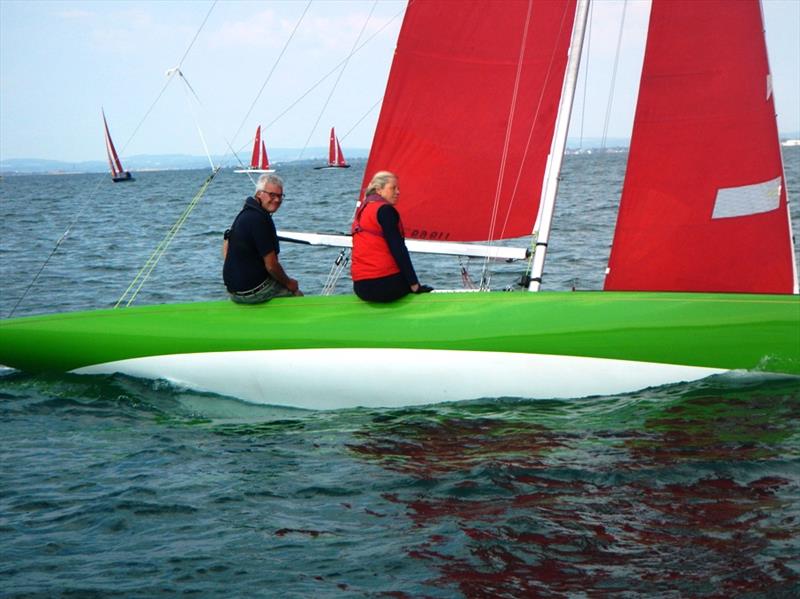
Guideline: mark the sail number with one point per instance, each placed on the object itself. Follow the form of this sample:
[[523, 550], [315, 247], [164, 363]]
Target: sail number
[[429, 235]]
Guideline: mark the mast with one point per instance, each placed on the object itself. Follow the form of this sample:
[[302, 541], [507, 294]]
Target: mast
[[556, 157]]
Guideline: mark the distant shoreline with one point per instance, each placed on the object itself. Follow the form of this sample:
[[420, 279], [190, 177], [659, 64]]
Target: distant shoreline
[[179, 162]]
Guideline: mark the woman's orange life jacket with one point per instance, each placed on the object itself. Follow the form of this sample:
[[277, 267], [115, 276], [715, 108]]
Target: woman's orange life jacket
[[371, 256]]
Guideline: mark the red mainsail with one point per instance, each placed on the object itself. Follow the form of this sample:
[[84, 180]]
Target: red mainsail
[[704, 201], [113, 160], [255, 159], [468, 115]]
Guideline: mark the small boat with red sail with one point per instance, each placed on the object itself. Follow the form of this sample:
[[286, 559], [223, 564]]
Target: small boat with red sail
[[259, 161], [335, 156], [118, 174]]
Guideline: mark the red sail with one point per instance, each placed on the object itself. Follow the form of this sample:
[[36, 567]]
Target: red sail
[[332, 149], [704, 202], [335, 157], [468, 115], [264, 163], [254, 159], [113, 160]]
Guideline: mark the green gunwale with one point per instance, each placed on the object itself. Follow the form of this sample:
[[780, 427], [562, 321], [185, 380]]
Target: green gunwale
[[730, 331]]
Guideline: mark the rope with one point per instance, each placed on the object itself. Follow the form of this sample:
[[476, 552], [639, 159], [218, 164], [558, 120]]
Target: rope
[[466, 280], [486, 275], [336, 271], [533, 123], [144, 273], [338, 78], [41, 268]]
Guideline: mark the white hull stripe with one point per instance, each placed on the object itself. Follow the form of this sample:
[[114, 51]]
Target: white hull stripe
[[322, 379]]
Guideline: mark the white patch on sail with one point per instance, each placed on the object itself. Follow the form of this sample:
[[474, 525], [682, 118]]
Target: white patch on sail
[[748, 199], [769, 85]]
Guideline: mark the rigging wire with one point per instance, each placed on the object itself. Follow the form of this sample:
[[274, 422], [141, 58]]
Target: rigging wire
[[92, 194], [614, 75], [553, 56], [486, 278], [42, 267], [187, 89], [272, 70], [486, 275], [169, 80], [358, 122], [588, 55], [338, 78], [535, 236], [144, 273], [344, 256], [331, 72]]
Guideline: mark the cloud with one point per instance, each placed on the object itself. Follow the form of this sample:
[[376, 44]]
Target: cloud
[[318, 34], [75, 14]]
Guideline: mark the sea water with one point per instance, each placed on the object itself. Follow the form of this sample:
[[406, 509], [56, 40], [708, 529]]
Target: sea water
[[115, 486]]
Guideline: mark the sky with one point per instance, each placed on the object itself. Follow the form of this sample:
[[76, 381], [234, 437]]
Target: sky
[[61, 61]]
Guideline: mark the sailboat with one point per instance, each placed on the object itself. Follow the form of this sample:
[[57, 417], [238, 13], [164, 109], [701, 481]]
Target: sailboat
[[118, 174], [701, 281], [335, 156], [259, 161]]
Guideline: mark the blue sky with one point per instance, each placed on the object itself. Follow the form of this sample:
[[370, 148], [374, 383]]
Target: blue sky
[[61, 61]]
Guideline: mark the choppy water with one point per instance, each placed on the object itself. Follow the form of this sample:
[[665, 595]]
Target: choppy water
[[113, 486]]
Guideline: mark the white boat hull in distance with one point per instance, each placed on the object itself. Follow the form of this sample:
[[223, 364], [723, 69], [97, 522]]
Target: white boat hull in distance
[[322, 379], [255, 171]]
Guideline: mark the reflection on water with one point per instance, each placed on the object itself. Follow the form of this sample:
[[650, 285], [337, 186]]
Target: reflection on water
[[703, 499]]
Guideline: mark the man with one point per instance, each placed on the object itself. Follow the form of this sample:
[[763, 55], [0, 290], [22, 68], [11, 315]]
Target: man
[[252, 271]]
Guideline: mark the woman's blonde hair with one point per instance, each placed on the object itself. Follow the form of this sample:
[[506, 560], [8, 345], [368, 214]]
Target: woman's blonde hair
[[379, 181]]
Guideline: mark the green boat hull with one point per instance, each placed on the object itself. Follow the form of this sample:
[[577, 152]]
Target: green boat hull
[[707, 332]]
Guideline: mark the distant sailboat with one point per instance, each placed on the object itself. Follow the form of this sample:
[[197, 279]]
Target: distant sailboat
[[259, 162], [117, 172], [335, 156]]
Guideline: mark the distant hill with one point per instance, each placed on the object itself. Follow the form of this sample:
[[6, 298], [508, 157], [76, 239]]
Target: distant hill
[[144, 162]]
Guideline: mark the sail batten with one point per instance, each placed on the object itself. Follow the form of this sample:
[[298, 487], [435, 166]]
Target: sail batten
[[445, 120], [704, 203]]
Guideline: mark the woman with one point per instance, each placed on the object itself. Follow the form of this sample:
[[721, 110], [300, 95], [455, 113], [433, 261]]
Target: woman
[[381, 267]]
